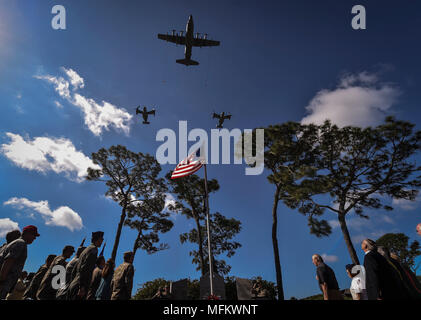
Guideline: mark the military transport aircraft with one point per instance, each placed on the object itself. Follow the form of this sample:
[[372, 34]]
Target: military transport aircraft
[[221, 118], [188, 41], [145, 113]]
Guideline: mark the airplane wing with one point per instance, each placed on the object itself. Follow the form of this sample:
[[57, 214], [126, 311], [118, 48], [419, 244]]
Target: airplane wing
[[151, 112], [228, 117], [215, 116], [197, 42], [173, 38]]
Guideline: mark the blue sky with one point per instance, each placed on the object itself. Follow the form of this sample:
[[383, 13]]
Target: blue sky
[[278, 61]]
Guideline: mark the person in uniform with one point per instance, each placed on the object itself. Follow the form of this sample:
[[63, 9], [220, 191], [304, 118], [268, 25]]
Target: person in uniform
[[33, 286], [78, 288], [70, 274], [19, 289], [258, 292], [163, 293], [46, 290], [14, 258], [10, 237], [104, 288], [96, 278], [122, 283], [72, 264]]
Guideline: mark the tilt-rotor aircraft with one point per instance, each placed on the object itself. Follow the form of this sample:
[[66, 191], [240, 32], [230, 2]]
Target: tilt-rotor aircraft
[[145, 113], [189, 41], [221, 118]]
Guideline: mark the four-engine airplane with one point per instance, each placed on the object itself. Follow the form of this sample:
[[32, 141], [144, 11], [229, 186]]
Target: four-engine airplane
[[145, 113], [188, 41]]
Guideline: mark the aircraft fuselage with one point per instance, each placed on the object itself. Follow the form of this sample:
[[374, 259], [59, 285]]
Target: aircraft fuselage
[[189, 38]]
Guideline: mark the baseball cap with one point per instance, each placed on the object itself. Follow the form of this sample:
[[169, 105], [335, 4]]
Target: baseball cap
[[31, 228]]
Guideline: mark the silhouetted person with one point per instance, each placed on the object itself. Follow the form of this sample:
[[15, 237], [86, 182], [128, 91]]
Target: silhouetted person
[[96, 278], [13, 259], [327, 279], [258, 292], [31, 290], [104, 289], [403, 290], [10, 237], [357, 288], [70, 274], [122, 284], [380, 279], [19, 288], [46, 290], [79, 286], [163, 293], [28, 279], [410, 279]]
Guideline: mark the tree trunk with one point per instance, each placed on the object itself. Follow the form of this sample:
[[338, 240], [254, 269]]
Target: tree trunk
[[275, 246], [117, 236], [136, 246], [347, 238], [202, 263]]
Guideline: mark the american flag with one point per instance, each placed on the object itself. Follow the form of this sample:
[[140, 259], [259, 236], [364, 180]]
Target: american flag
[[189, 165]]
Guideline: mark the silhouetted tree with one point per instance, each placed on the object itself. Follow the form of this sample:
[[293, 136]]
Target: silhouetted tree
[[148, 289], [222, 230], [288, 156], [130, 178], [149, 219], [190, 193], [357, 168]]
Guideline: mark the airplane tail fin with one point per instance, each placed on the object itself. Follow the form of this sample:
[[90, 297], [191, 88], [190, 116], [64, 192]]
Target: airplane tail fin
[[187, 62]]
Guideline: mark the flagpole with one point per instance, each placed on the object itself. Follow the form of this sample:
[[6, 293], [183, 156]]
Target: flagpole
[[209, 237]]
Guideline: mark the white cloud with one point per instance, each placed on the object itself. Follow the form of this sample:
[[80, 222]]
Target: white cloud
[[334, 224], [60, 84], [45, 154], [359, 100], [328, 258], [387, 219], [7, 225], [170, 200], [406, 204], [374, 235], [58, 104], [62, 216], [353, 223], [75, 79], [97, 116], [19, 109]]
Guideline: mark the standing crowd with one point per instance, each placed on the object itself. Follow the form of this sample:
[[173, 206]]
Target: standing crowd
[[88, 275], [383, 277]]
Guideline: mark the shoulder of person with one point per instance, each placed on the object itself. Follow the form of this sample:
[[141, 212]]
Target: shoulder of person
[[18, 244]]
